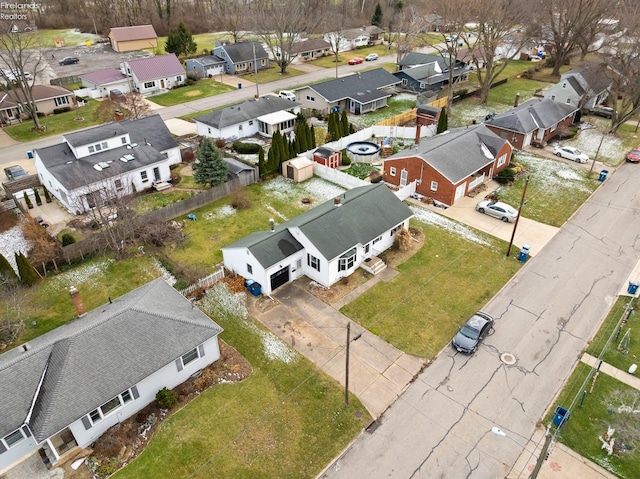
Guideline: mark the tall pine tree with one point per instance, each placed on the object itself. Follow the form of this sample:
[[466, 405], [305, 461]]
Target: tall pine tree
[[28, 275], [180, 42], [261, 165], [377, 16], [312, 134], [443, 122], [345, 124], [7, 275], [210, 169]]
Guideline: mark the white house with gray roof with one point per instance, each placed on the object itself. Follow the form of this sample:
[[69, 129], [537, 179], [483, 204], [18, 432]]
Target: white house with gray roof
[[154, 74], [262, 116], [582, 87], [116, 159], [325, 244], [101, 82], [64, 389], [358, 93]]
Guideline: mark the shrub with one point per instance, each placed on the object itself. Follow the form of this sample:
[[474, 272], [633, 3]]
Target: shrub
[[460, 92], [246, 148], [63, 109], [240, 201], [166, 398], [505, 176], [346, 161], [67, 239], [220, 142]]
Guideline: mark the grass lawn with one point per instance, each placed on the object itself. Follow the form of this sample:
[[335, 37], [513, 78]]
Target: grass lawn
[[586, 424], [396, 105], [612, 355], [417, 311], [70, 35], [56, 124], [187, 181], [153, 201], [203, 88], [205, 41], [556, 189], [270, 74], [287, 420]]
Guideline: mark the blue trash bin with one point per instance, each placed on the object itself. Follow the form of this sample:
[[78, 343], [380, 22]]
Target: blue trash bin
[[524, 253], [255, 289], [561, 416], [248, 283], [30, 154], [633, 287], [239, 86], [603, 175]]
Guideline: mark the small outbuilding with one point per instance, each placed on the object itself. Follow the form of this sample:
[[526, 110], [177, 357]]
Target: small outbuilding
[[137, 37], [328, 157], [298, 169]]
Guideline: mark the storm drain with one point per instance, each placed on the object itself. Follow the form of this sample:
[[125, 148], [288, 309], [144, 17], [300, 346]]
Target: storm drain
[[508, 358], [373, 425]]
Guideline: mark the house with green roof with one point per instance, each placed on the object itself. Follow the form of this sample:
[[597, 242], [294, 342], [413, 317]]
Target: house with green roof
[[326, 243], [61, 391]]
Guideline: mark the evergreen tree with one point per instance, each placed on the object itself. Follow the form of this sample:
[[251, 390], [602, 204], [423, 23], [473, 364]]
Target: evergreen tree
[[312, 133], [345, 123], [47, 196], [302, 138], [27, 200], [7, 275], [442, 121], [36, 195], [331, 127], [284, 153], [28, 274], [261, 166], [292, 150], [377, 16], [210, 169], [180, 42], [270, 161]]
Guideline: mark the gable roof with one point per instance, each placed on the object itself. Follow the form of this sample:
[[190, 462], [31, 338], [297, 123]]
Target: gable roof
[[354, 33], [208, 60], [12, 98], [244, 51], [325, 152], [248, 110], [458, 153], [417, 58], [83, 363], [105, 76], [365, 213], [137, 32], [235, 166], [309, 45], [362, 87], [531, 115], [152, 68], [595, 77]]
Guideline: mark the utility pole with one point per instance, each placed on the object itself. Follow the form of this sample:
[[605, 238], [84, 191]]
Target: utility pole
[[593, 163], [255, 68], [346, 368], [543, 454], [515, 225]]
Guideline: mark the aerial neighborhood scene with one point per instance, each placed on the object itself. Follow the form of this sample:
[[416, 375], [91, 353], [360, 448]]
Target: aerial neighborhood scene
[[320, 239]]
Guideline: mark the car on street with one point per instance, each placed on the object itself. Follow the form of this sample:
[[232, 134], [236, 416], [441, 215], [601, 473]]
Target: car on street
[[371, 57], [68, 61], [14, 172], [634, 155], [474, 330], [570, 153], [287, 95], [356, 61], [498, 210]]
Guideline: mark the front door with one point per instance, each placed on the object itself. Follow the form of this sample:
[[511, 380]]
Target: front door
[[404, 175], [156, 174], [460, 190], [161, 83], [290, 172]]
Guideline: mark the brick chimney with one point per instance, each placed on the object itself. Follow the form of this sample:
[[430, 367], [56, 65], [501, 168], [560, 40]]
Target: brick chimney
[[336, 201], [517, 100], [77, 301]]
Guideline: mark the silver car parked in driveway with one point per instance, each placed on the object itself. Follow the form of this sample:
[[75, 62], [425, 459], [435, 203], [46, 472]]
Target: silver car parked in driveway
[[498, 210]]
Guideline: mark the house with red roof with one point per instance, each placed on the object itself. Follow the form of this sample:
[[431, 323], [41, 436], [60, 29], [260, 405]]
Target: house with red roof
[[128, 39], [155, 74]]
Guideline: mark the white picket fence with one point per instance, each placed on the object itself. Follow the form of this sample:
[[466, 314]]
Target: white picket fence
[[205, 282]]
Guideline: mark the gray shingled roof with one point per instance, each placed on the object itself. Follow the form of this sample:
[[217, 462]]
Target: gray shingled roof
[[208, 60], [309, 46], [150, 133], [94, 358], [417, 58], [102, 77], [249, 110], [365, 213], [575, 84], [531, 115], [243, 51], [457, 153], [362, 87], [369, 30], [324, 152], [236, 166]]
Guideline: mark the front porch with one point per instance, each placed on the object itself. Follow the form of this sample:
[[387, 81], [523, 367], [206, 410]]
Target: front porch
[[373, 265]]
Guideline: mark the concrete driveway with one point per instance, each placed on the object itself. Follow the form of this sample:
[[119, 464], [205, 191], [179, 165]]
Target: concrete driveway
[[378, 372]]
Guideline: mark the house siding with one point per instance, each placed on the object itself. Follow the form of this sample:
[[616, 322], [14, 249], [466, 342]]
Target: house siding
[[17, 453], [132, 45], [315, 100], [158, 84]]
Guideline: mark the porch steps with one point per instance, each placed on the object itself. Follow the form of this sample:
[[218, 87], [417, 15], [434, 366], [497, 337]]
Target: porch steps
[[373, 265], [161, 185]]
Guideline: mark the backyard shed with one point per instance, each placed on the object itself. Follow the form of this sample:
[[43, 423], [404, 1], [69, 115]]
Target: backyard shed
[[298, 169]]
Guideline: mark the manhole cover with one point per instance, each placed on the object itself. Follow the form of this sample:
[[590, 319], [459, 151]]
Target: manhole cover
[[508, 358]]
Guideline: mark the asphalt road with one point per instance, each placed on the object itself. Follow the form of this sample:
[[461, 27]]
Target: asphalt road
[[440, 427]]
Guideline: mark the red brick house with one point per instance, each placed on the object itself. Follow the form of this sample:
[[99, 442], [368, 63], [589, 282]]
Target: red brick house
[[448, 166], [534, 122], [327, 157]]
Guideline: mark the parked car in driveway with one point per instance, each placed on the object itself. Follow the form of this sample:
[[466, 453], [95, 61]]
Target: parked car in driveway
[[497, 209], [371, 57], [474, 330], [634, 155], [603, 111], [14, 172], [570, 153], [356, 61], [68, 61]]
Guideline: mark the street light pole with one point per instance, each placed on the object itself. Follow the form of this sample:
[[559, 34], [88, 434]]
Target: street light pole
[[346, 368], [515, 224]]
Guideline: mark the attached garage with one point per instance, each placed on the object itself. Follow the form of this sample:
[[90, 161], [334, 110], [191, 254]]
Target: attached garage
[[279, 278]]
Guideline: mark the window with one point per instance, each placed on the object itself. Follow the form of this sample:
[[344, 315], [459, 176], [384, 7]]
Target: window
[[104, 145], [190, 356], [13, 438], [298, 263], [392, 171], [61, 100], [313, 262], [126, 397], [434, 186], [423, 85], [92, 149], [95, 416], [143, 176], [379, 238], [149, 84], [124, 140], [249, 269], [179, 78], [110, 405], [250, 122], [209, 130], [367, 247], [118, 184], [568, 101], [564, 85], [553, 97], [405, 82], [311, 98], [347, 260], [502, 159]]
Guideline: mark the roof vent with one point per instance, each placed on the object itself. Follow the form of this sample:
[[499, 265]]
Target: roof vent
[[97, 167], [25, 347], [104, 164]]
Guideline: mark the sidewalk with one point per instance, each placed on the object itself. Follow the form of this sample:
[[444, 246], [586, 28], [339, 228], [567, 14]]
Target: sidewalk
[[609, 370]]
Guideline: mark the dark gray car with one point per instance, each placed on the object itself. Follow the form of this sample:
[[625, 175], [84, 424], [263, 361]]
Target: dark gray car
[[14, 172], [474, 330]]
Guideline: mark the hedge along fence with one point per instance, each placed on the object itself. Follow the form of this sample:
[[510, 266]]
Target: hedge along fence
[[99, 243]]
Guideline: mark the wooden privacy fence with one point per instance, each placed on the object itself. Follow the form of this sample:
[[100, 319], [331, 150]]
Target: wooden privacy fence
[[205, 282], [410, 115]]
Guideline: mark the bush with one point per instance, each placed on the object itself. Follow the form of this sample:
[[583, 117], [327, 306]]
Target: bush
[[460, 92], [166, 398], [240, 201], [506, 176], [220, 142], [246, 148], [346, 161], [63, 109], [67, 239]]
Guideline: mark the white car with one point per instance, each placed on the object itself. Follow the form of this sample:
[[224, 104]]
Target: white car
[[570, 153], [287, 95], [498, 210], [371, 57]]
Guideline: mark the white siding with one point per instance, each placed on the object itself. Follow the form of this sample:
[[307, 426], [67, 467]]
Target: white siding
[[17, 453]]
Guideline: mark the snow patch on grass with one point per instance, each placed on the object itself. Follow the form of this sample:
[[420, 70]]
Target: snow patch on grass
[[12, 241], [80, 275], [275, 212], [222, 212], [168, 277], [589, 140], [551, 174], [321, 190], [276, 349], [432, 218]]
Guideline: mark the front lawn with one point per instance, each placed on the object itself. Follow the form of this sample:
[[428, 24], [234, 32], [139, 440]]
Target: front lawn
[[587, 423], [270, 74], [287, 420], [203, 88], [455, 273], [82, 117]]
